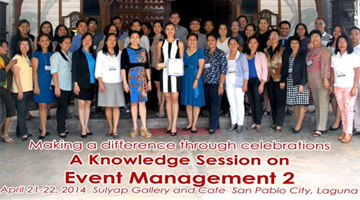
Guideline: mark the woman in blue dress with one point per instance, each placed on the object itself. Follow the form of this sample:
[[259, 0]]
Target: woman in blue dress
[[135, 74], [192, 94], [43, 93]]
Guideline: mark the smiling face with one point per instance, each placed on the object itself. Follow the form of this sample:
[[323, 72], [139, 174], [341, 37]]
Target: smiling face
[[82, 28], [135, 39], [343, 46], [4, 48], [136, 26], [65, 45], [24, 47], [175, 19], [315, 39], [192, 42], [170, 30], [157, 28], [194, 26], [235, 27], [211, 42], [242, 22], [253, 44], [233, 45], [24, 28], [295, 45], [87, 42], [337, 32], [46, 28], [284, 30], [249, 31], [113, 29], [44, 42], [111, 41], [301, 30], [274, 37], [209, 26], [223, 30], [355, 36], [62, 31], [263, 25]]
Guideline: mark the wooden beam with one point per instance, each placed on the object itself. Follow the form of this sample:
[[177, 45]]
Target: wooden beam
[[319, 8], [39, 14], [299, 10], [18, 4], [60, 11], [279, 9]]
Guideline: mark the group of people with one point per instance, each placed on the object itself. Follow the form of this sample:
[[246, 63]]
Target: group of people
[[223, 68]]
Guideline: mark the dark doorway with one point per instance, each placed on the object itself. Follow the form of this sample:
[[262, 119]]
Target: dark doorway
[[217, 10]]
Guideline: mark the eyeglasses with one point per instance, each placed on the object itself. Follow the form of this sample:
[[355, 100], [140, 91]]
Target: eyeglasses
[[235, 25], [193, 24], [319, 23]]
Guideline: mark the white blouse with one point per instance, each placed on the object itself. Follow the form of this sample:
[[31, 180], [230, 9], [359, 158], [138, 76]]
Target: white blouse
[[108, 67]]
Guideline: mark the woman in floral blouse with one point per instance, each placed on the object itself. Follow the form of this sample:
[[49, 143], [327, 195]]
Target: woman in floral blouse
[[318, 62], [277, 96]]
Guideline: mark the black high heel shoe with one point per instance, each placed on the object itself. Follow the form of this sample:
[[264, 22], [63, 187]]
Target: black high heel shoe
[[186, 128], [173, 133], [296, 131], [47, 133], [194, 131], [335, 129], [167, 131]]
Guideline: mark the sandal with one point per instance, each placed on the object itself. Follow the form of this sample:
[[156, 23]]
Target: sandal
[[134, 132], [278, 130], [347, 138], [24, 137], [272, 127], [251, 127], [318, 133], [6, 138], [258, 128], [341, 137]]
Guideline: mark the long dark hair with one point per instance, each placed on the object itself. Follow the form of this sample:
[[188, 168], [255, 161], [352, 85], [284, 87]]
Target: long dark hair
[[56, 35], [51, 34], [18, 51], [248, 51], [332, 40], [303, 25], [227, 29], [91, 48], [58, 47], [39, 48], [105, 47], [22, 21], [350, 47], [107, 29]]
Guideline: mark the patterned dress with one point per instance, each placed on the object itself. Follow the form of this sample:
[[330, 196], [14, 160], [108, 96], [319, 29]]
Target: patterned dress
[[135, 61], [293, 97], [169, 83]]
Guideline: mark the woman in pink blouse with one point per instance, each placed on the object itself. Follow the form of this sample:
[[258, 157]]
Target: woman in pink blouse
[[318, 62]]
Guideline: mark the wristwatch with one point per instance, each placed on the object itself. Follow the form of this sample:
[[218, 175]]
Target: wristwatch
[[221, 85]]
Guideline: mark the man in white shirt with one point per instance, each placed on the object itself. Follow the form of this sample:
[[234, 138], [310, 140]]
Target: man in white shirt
[[320, 25], [355, 40], [181, 32]]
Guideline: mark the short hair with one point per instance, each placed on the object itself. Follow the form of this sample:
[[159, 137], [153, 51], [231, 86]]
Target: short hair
[[354, 28], [233, 38], [253, 25], [211, 35], [266, 19], [115, 18], [320, 18], [49, 48], [169, 24], [135, 20], [295, 38], [192, 34], [18, 52], [242, 16], [208, 20], [303, 25], [91, 19], [148, 25], [315, 32], [80, 21], [159, 22], [105, 48], [284, 22], [195, 19], [134, 32], [274, 30], [174, 12], [107, 29], [2, 41], [350, 47]]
